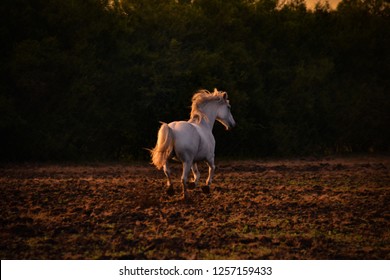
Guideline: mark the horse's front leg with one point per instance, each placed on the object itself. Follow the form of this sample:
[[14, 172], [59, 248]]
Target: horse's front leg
[[167, 171], [196, 174], [210, 163], [184, 177]]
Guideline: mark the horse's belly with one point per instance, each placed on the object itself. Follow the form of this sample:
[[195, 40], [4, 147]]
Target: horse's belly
[[201, 156]]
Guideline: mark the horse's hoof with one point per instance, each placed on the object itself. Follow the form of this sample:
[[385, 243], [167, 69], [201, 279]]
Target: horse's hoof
[[170, 191], [191, 185], [206, 189], [185, 196]]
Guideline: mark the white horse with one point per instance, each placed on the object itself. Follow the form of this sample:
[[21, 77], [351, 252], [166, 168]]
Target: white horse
[[193, 141]]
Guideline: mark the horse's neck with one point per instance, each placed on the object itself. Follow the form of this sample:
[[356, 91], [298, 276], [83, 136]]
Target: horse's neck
[[210, 111]]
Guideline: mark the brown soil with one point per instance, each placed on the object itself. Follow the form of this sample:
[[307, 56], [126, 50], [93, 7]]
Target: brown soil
[[280, 209]]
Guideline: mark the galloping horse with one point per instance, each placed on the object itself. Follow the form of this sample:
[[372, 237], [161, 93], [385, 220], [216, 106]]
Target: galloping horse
[[193, 141]]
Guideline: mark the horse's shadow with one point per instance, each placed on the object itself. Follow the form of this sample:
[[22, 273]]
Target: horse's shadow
[[172, 193]]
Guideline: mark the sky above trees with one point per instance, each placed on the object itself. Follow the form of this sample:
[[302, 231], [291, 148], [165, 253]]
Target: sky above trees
[[332, 3]]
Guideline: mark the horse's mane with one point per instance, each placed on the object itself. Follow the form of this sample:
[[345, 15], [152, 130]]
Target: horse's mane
[[201, 98]]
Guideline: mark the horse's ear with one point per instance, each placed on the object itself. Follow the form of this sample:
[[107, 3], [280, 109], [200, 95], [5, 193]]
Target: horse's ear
[[225, 97]]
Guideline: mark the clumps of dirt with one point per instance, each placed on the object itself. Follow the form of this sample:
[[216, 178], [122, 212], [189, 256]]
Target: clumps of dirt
[[271, 209]]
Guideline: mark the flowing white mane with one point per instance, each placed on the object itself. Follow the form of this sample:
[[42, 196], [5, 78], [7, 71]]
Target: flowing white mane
[[203, 97]]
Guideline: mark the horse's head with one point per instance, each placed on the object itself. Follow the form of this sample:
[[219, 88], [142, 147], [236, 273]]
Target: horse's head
[[224, 116]]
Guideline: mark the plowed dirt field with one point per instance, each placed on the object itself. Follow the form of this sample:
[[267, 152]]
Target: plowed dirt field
[[334, 208]]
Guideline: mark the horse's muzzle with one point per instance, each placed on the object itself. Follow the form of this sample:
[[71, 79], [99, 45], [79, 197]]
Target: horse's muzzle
[[231, 126]]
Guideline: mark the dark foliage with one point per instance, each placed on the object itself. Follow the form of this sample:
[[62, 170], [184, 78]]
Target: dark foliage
[[90, 79]]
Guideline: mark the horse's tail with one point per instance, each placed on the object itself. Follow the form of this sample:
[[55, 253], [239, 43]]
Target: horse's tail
[[164, 146]]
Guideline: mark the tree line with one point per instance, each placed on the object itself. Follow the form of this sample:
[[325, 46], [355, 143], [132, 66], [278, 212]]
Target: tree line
[[91, 79]]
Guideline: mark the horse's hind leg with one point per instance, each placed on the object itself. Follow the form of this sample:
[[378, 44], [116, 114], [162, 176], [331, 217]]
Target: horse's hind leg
[[167, 171]]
